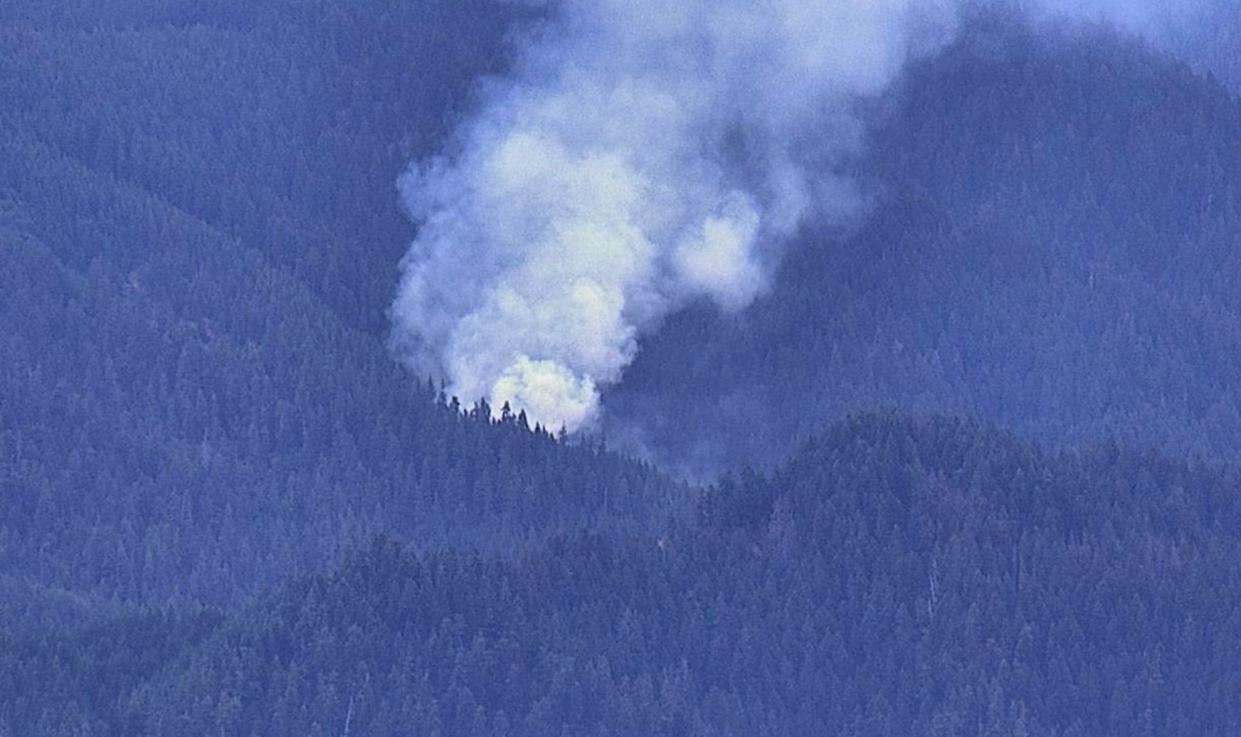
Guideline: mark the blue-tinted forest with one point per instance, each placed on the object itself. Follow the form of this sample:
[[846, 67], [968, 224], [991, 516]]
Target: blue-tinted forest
[[969, 468], [1052, 249]]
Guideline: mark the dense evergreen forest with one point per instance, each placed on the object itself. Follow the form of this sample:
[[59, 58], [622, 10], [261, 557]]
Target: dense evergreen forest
[[896, 578], [225, 509], [196, 399]]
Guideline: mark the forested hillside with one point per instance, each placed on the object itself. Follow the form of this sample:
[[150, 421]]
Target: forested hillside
[[198, 233], [897, 577], [226, 509], [1209, 38], [1053, 248]]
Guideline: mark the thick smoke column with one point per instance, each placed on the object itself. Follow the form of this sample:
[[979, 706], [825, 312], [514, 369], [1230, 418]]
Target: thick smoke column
[[642, 154]]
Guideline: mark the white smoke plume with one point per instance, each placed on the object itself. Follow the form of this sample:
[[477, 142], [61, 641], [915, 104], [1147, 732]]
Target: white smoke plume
[[642, 154]]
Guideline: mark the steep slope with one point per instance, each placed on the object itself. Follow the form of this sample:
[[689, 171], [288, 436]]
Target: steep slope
[[193, 404], [897, 577], [1209, 38], [1053, 248], [285, 124]]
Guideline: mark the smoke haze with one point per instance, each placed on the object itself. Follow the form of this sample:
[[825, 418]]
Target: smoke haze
[[641, 155]]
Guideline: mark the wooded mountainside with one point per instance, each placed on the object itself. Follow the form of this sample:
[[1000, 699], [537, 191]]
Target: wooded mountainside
[[1053, 249], [897, 577], [226, 510], [200, 228]]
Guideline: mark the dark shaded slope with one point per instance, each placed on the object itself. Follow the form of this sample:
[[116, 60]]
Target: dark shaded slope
[[1054, 248], [283, 124], [1209, 38], [182, 418], [190, 406], [897, 577]]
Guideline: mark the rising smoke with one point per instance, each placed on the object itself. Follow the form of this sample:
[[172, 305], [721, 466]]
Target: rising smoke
[[641, 155]]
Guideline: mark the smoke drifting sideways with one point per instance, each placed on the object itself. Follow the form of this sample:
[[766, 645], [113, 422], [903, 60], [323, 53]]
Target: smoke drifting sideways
[[640, 155]]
